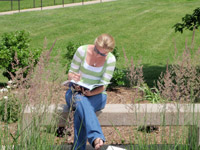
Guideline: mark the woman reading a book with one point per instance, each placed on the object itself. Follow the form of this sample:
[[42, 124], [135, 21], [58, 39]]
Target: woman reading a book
[[91, 64]]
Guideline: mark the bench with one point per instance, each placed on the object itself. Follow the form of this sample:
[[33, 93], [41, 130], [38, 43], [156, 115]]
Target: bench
[[132, 114]]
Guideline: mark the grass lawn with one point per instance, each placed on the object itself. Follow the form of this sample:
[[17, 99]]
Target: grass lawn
[[142, 27]]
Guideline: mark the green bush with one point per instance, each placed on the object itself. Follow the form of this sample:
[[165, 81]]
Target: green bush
[[71, 49], [14, 49], [9, 109], [116, 53], [119, 78]]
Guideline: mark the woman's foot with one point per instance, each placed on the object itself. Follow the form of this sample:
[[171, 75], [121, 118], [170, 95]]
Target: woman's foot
[[98, 143]]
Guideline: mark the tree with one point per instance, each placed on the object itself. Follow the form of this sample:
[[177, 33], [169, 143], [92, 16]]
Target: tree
[[189, 21]]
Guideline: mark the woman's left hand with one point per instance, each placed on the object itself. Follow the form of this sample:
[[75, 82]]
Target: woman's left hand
[[86, 92]]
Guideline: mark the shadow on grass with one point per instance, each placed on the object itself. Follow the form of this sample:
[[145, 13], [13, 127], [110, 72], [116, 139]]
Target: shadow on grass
[[152, 73]]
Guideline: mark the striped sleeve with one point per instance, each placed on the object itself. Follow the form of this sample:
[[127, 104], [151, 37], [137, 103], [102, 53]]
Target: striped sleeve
[[109, 70], [77, 59]]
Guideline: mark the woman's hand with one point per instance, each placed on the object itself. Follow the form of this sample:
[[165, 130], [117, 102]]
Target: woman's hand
[[95, 91], [77, 87], [74, 76], [86, 92]]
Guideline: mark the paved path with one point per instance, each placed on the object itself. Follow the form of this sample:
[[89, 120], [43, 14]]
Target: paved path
[[55, 7]]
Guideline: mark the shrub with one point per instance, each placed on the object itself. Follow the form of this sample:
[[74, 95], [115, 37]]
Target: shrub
[[71, 49], [116, 53], [181, 81], [119, 78], [16, 44], [134, 72]]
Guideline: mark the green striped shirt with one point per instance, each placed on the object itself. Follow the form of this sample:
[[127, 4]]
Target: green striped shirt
[[89, 74]]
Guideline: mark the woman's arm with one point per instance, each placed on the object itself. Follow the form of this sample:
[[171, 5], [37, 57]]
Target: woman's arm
[[95, 91], [76, 77]]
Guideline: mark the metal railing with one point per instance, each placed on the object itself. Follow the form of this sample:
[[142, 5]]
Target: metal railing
[[41, 3]]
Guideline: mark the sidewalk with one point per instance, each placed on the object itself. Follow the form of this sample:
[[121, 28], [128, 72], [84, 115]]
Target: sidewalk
[[54, 7]]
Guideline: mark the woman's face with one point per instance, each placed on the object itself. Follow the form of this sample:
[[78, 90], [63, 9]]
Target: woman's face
[[101, 51]]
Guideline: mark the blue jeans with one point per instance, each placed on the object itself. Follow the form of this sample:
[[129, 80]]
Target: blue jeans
[[86, 124]]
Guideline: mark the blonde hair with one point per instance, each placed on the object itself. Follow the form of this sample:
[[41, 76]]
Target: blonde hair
[[105, 41]]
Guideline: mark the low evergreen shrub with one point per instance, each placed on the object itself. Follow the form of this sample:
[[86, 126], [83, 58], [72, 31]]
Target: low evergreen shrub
[[15, 52]]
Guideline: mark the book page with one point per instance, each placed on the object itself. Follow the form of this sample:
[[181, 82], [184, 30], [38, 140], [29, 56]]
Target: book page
[[89, 87]]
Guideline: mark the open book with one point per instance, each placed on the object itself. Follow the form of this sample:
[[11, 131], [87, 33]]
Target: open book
[[87, 86]]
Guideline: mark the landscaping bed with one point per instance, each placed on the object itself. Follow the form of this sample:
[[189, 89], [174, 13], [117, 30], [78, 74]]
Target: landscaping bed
[[131, 134], [121, 134]]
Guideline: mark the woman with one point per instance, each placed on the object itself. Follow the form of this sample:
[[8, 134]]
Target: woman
[[91, 64]]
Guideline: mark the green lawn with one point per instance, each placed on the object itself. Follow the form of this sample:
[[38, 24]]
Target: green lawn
[[142, 27], [7, 5]]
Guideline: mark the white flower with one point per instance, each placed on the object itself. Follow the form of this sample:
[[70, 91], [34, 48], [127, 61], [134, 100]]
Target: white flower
[[3, 90], [10, 82], [5, 97], [8, 87]]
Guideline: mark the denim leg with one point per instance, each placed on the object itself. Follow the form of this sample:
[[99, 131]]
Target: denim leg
[[95, 103], [80, 137], [86, 124], [68, 98]]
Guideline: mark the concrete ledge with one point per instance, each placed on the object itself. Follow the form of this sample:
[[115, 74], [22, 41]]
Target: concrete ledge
[[131, 114], [150, 114]]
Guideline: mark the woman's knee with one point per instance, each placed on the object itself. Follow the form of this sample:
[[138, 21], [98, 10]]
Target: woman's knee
[[74, 100], [79, 100]]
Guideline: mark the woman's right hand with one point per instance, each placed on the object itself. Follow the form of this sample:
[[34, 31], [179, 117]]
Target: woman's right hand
[[74, 76], [77, 87]]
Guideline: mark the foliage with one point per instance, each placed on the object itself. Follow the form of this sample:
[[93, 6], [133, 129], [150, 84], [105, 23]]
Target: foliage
[[150, 94], [71, 49], [32, 134], [190, 21], [9, 109], [181, 81], [116, 52], [134, 73], [16, 44], [119, 78]]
